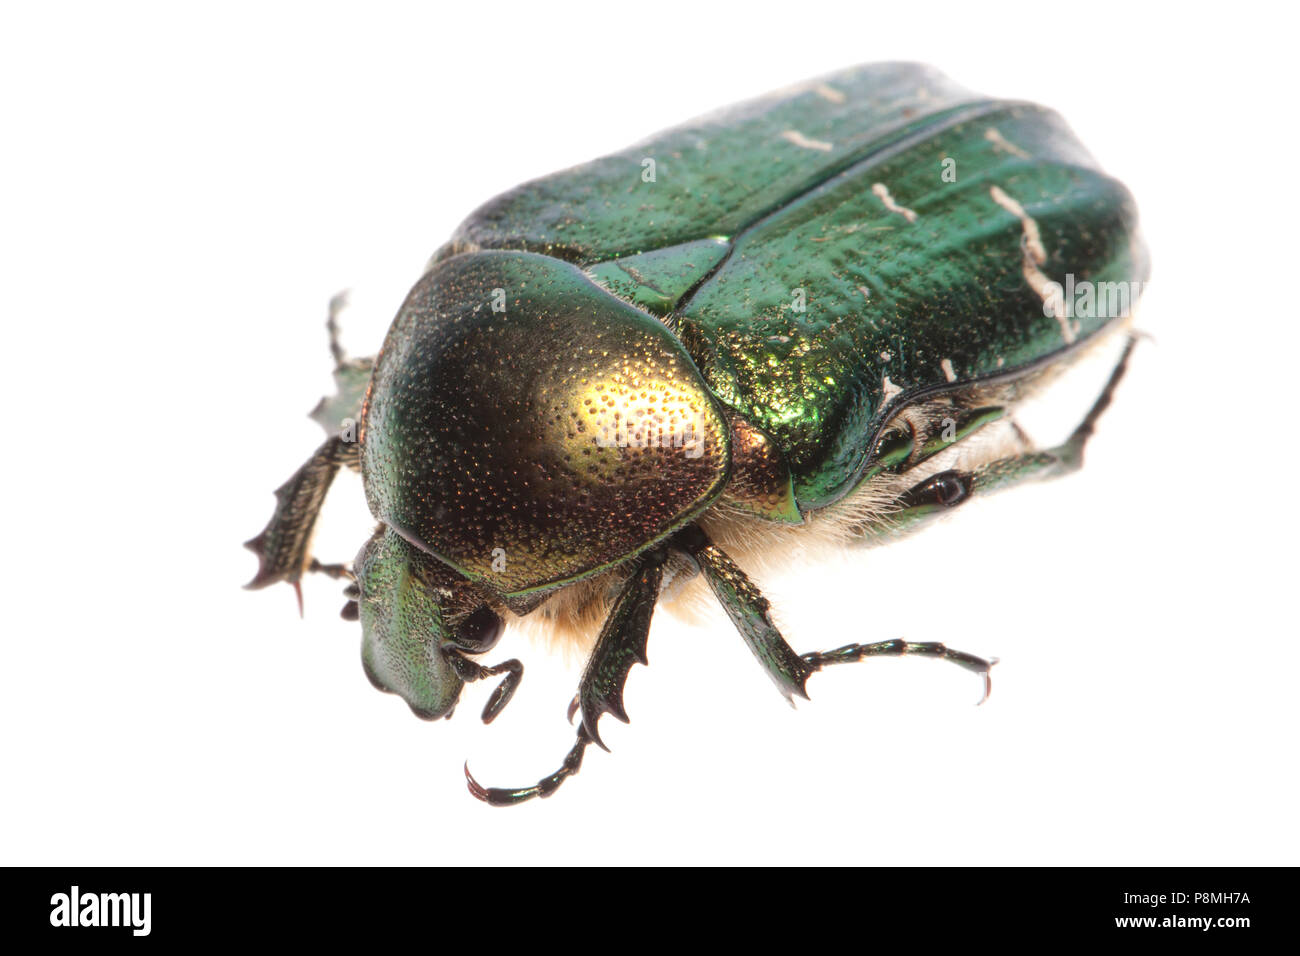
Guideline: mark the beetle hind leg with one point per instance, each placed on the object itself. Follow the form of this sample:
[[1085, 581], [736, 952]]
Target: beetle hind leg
[[948, 489], [1066, 457]]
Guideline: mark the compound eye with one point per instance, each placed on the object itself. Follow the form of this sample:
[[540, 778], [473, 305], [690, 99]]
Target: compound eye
[[480, 631]]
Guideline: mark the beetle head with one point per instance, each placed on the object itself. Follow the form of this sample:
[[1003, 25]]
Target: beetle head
[[417, 617]]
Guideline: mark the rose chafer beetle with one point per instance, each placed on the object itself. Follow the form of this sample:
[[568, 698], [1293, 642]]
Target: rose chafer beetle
[[814, 313]]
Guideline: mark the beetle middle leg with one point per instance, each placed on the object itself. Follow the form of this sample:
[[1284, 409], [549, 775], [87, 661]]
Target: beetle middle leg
[[749, 611], [852, 653]]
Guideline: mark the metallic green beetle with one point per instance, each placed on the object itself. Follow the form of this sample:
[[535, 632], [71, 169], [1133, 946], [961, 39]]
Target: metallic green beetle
[[789, 318]]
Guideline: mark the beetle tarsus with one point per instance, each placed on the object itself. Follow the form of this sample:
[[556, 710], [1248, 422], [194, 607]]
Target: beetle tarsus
[[1084, 431], [508, 797], [338, 303], [852, 653]]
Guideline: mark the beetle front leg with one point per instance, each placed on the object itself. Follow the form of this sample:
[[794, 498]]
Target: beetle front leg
[[622, 643], [282, 546], [504, 797], [338, 302]]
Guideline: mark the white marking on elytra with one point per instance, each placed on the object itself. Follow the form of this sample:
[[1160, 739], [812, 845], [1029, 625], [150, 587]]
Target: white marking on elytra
[[1000, 142], [1034, 256], [889, 390], [802, 141], [882, 192], [948, 372], [1033, 240], [829, 93]]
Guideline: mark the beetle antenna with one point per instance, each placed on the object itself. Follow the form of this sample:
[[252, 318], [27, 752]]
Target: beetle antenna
[[503, 797]]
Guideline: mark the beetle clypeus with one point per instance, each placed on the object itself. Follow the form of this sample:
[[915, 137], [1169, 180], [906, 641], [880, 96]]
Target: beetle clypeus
[[787, 316]]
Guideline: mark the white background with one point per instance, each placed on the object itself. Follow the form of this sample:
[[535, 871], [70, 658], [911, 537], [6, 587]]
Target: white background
[[182, 193]]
